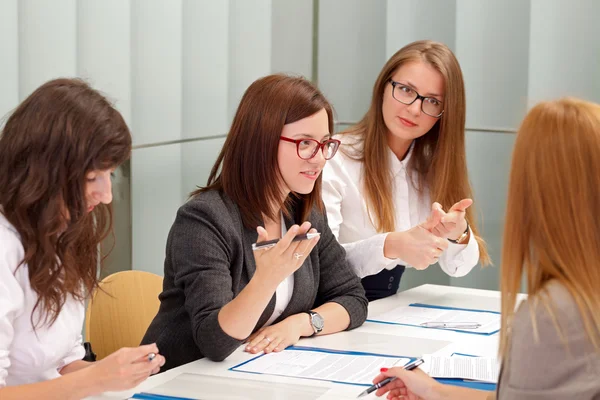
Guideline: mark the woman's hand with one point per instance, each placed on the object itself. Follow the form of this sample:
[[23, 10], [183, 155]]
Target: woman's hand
[[410, 385], [279, 336], [283, 259], [124, 369], [418, 247], [453, 223]]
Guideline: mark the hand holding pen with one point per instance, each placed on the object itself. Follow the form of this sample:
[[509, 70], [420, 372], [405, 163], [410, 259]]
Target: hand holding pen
[[380, 383], [284, 256]]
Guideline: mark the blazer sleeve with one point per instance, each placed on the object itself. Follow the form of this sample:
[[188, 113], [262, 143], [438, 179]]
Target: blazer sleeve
[[200, 255], [338, 283]]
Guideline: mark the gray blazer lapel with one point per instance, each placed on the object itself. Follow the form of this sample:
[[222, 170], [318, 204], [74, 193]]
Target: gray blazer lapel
[[304, 285], [249, 237]]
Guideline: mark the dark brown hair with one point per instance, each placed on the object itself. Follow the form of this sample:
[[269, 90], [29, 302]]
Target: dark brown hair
[[246, 169], [438, 157], [61, 132]]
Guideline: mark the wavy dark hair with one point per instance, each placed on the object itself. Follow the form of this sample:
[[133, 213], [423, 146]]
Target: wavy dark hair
[[53, 139]]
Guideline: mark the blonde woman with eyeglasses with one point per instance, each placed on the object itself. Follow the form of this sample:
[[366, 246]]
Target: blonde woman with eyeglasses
[[398, 195]]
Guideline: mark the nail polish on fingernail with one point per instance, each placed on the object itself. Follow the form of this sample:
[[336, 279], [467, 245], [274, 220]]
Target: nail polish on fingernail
[[383, 369]]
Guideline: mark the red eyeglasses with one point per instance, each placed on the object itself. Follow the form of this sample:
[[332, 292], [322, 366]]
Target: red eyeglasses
[[307, 148]]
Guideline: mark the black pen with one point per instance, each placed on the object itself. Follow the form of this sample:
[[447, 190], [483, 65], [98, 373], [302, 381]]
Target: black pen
[[384, 382], [270, 243]]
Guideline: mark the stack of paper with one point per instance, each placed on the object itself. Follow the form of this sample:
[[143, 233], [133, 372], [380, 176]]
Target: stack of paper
[[481, 369]]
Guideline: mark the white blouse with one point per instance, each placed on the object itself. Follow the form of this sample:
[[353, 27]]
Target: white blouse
[[27, 356], [350, 223]]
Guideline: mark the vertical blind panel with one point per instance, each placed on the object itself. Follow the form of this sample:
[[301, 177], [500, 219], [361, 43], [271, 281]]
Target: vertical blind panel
[[351, 53], [565, 50], [249, 46], [103, 49], [156, 70], [155, 198], [9, 61], [408, 21], [47, 42], [292, 22], [205, 67], [494, 54]]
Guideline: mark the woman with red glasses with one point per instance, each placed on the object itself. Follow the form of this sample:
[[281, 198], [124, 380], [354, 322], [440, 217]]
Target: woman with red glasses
[[219, 292], [399, 195]]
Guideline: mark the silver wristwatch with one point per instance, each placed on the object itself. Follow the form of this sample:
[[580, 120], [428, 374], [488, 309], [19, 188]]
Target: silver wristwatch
[[316, 321]]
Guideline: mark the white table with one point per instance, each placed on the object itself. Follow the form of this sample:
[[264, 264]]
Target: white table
[[215, 381]]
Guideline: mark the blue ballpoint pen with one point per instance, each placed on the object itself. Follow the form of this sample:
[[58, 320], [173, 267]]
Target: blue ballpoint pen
[[384, 382]]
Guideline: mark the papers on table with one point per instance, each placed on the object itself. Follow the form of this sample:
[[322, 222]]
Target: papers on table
[[482, 369], [323, 364], [417, 314]]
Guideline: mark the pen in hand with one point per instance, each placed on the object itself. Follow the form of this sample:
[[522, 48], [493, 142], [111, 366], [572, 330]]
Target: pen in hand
[[408, 367], [270, 243]]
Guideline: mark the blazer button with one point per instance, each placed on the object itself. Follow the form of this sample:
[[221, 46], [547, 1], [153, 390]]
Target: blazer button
[[391, 279], [390, 286]]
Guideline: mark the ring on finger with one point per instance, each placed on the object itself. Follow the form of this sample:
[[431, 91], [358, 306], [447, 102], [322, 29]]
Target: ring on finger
[[298, 256], [267, 339]]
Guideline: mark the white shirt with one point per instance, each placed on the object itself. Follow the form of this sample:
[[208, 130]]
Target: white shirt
[[284, 291], [27, 356], [350, 223]]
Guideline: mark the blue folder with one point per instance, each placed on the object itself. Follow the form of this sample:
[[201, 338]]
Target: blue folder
[[442, 308], [322, 350], [151, 396]]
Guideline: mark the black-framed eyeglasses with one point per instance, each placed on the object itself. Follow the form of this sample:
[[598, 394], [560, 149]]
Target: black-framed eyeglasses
[[407, 95], [307, 148]]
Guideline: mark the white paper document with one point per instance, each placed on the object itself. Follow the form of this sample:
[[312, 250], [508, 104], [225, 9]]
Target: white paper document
[[483, 369], [354, 368], [415, 315]]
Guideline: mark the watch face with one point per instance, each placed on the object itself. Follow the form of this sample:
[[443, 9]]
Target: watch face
[[318, 321]]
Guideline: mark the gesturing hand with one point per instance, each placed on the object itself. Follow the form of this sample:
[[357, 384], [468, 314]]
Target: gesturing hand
[[283, 259], [453, 223], [418, 247]]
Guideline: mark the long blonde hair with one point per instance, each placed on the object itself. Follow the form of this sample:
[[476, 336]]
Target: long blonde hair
[[438, 157], [552, 232]]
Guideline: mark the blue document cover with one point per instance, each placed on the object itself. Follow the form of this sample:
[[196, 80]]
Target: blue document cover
[[442, 308], [326, 351]]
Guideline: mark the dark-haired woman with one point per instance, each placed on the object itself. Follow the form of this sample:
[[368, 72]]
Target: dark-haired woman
[[57, 152], [266, 184]]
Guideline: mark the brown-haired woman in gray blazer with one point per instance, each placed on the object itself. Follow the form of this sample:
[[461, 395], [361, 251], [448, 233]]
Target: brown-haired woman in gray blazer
[[266, 184]]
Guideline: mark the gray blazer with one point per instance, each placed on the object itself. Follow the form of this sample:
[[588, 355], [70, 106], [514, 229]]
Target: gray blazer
[[549, 368], [209, 260]]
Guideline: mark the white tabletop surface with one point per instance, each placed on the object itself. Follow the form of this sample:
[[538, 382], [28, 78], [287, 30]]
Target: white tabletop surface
[[213, 380]]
